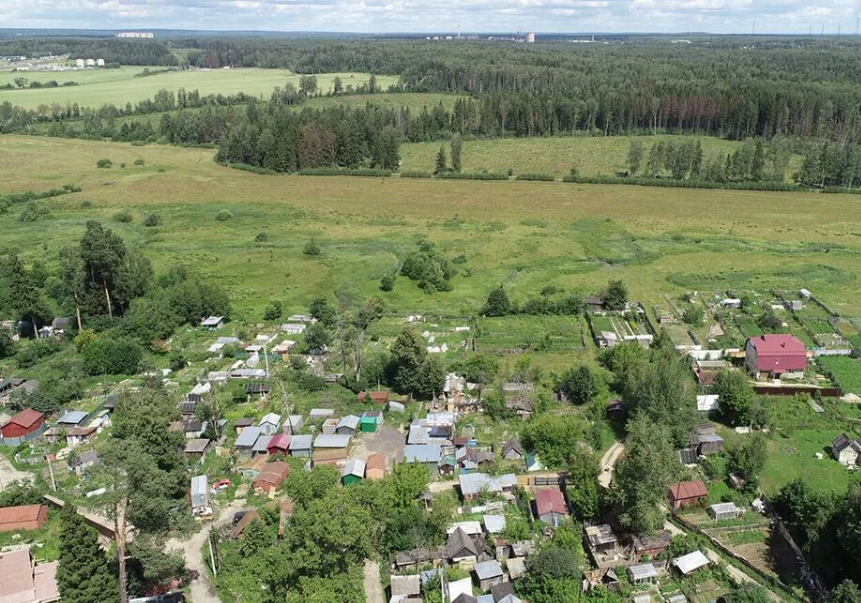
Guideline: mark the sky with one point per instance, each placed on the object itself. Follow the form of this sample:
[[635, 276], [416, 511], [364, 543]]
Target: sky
[[440, 16]]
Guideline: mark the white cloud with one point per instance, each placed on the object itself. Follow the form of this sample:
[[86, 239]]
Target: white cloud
[[438, 16]]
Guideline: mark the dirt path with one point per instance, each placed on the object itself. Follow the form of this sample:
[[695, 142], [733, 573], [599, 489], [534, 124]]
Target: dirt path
[[608, 461], [373, 588], [201, 589], [9, 474]]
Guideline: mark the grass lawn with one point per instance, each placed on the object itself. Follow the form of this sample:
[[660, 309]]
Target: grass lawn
[[847, 372], [791, 456], [556, 156], [523, 235], [119, 86]]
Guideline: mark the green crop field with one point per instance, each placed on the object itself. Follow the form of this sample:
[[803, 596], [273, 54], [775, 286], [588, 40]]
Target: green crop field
[[590, 155], [524, 235], [119, 86]]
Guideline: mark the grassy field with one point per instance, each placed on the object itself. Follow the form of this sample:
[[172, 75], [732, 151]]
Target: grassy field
[[119, 86], [523, 235], [847, 371], [591, 155]]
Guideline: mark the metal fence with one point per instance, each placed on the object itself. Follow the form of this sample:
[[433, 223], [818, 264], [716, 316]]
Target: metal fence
[[24, 438]]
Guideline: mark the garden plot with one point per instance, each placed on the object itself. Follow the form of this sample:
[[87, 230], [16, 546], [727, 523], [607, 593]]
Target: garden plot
[[610, 329]]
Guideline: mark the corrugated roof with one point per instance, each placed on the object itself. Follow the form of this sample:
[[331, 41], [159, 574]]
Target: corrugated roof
[[73, 417], [25, 418], [690, 562], [488, 569], [271, 419], [301, 442], [17, 571], [332, 441], [727, 507], [248, 437], [642, 571], [197, 445], [473, 483], [350, 422], [494, 523], [376, 461], [262, 443], [281, 441], [405, 586], [691, 489], [354, 467], [550, 501], [423, 453], [24, 513]]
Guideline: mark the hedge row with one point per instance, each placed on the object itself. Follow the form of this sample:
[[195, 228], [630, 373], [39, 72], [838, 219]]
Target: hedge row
[[669, 183], [253, 168], [536, 177], [841, 190], [472, 176], [342, 172], [27, 196], [416, 174]]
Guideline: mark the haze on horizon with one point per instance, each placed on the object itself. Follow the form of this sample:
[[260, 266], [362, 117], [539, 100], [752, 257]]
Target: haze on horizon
[[435, 16]]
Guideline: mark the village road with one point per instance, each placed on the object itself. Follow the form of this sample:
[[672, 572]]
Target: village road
[[608, 461], [373, 587], [201, 589]]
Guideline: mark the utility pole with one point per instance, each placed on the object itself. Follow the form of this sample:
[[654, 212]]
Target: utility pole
[[211, 555], [51, 471]]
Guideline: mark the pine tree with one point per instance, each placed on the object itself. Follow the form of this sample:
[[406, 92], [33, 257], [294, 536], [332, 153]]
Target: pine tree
[[441, 162], [83, 575], [456, 148], [758, 162], [697, 163]]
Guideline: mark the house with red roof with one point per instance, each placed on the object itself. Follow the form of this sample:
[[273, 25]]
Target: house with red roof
[[271, 476], [684, 494], [550, 507], [774, 355], [25, 517], [279, 444], [24, 423]]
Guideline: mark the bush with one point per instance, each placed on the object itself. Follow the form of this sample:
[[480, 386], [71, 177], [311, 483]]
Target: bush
[[177, 360], [252, 168], [33, 212], [415, 174], [111, 355], [124, 216], [756, 185], [536, 177], [122, 165], [35, 352], [261, 237], [273, 310], [387, 283], [472, 176], [139, 161], [152, 220], [224, 215], [345, 172], [104, 164], [312, 248]]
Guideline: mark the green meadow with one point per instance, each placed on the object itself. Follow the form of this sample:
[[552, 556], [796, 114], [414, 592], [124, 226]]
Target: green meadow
[[97, 87]]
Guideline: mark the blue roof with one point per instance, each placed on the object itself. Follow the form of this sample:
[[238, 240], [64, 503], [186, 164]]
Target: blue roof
[[248, 436], [422, 453], [73, 417]]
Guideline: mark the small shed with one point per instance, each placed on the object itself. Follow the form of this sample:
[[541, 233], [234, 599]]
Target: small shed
[[270, 477], [73, 418], [710, 443], [512, 450], [642, 573], [683, 494], [460, 547], [347, 425], [353, 472], [211, 323], [24, 423], [199, 492], [270, 423], [246, 440], [261, 446], [404, 587], [550, 507], [488, 574], [375, 467], [494, 524], [85, 460], [240, 424], [329, 449], [301, 445], [370, 420], [373, 397], [292, 424], [688, 564], [197, 447], [318, 414], [725, 511], [279, 444]]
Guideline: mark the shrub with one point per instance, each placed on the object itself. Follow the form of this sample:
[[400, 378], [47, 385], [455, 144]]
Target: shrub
[[471, 176], [312, 248], [122, 165], [152, 220], [35, 352], [387, 283], [261, 237], [323, 171], [111, 355], [86, 204], [536, 177], [224, 215], [252, 168], [33, 212], [177, 360], [273, 310], [415, 174], [756, 185], [124, 216], [104, 164], [139, 161]]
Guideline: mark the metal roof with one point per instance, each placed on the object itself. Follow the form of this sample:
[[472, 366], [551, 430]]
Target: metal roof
[[321, 413], [488, 569], [272, 419], [494, 523], [262, 443], [690, 562], [642, 571], [404, 586], [248, 436], [355, 467], [418, 435], [710, 437], [332, 441], [301, 442], [197, 445], [422, 453], [73, 417], [211, 321], [472, 528], [199, 491], [350, 422], [473, 483], [721, 508], [691, 489]]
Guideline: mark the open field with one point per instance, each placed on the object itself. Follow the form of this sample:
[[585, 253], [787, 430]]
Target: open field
[[524, 235], [591, 155], [119, 86]]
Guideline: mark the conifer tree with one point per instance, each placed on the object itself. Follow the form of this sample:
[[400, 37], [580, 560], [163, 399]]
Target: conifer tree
[[83, 575], [441, 162]]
